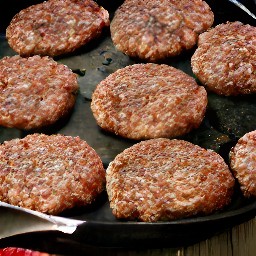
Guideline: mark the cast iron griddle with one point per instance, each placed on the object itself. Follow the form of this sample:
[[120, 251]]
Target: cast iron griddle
[[226, 120]]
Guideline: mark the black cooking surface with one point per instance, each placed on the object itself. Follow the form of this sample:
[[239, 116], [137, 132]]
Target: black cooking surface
[[226, 120]]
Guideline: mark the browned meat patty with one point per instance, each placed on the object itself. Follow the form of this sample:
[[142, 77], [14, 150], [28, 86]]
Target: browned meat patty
[[35, 91], [225, 60], [144, 101], [49, 173], [243, 163], [154, 30], [162, 179], [56, 27]]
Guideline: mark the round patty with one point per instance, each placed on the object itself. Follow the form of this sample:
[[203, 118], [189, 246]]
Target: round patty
[[56, 27], [162, 179], [35, 91], [243, 163], [225, 60], [49, 173], [154, 30], [143, 101]]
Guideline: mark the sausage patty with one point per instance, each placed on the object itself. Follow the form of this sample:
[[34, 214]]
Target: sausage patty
[[35, 91], [49, 173], [225, 60], [154, 30], [56, 27], [144, 101], [162, 179], [243, 163]]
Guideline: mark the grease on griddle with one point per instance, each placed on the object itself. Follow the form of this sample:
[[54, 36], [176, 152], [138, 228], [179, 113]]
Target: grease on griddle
[[107, 57], [80, 72], [233, 116]]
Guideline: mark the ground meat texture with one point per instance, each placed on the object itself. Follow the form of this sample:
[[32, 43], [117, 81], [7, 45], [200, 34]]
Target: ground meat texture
[[19, 251], [153, 30], [225, 60], [243, 163], [162, 179], [49, 173], [35, 91], [144, 101], [56, 27]]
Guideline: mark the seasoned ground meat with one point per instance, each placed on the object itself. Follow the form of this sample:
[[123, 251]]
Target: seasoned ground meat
[[35, 91], [49, 173], [154, 30], [243, 163], [56, 27], [144, 101], [225, 60], [162, 179]]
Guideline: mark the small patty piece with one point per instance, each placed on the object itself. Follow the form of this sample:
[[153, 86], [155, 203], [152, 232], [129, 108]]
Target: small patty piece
[[144, 101], [19, 251], [225, 60], [56, 27], [49, 173], [243, 163], [157, 29], [35, 91], [162, 179]]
